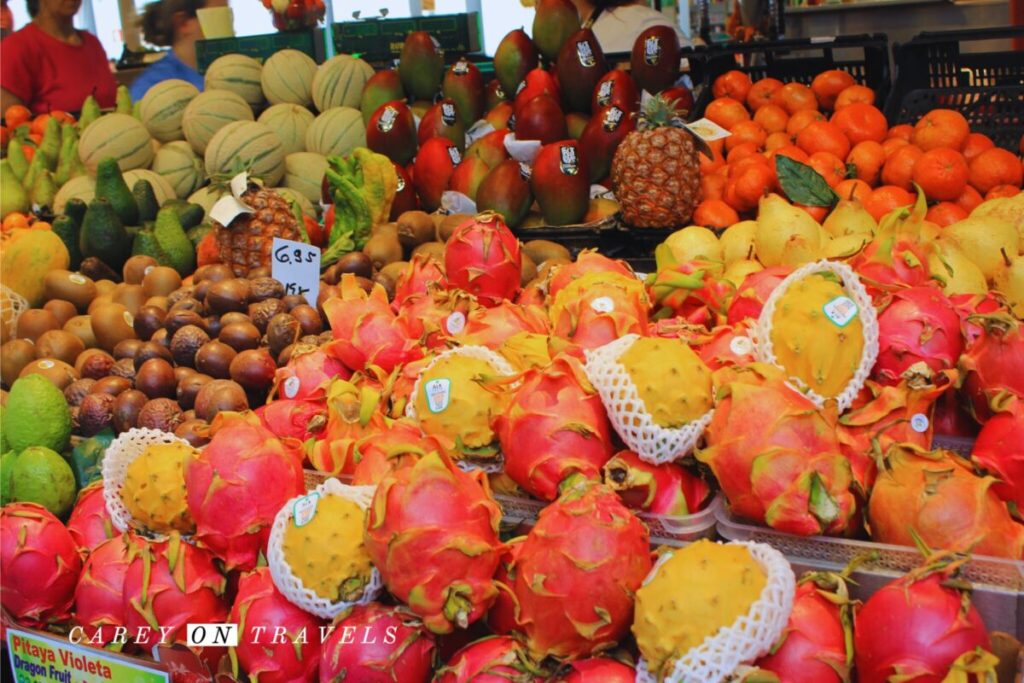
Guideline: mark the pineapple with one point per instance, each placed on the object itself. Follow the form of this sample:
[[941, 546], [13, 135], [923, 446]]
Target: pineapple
[[655, 170], [245, 244]]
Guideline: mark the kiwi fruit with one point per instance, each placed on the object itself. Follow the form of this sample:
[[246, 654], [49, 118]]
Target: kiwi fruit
[[385, 229], [34, 322], [528, 269], [14, 356], [136, 267], [387, 281], [160, 302], [415, 228], [395, 270], [68, 286], [434, 250], [60, 345], [382, 250], [104, 286], [81, 327], [112, 323], [59, 373], [99, 300], [130, 296], [161, 281], [540, 251], [214, 273], [449, 223], [545, 269], [64, 310]]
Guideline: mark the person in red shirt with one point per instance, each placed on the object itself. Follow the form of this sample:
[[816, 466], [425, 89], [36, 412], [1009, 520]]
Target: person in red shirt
[[50, 65]]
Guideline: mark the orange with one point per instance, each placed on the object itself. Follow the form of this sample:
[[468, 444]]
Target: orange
[[41, 225], [1002, 191], [899, 168], [62, 116], [5, 135], [714, 213], [976, 144], [29, 151], [746, 131], [726, 112], [903, 131], [791, 151], [818, 213], [761, 92], [993, 167], [776, 140], [860, 122], [794, 97], [746, 162], [772, 118], [734, 84], [854, 93], [969, 199], [710, 165], [800, 120], [829, 166], [828, 84], [822, 136], [892, 144], [744, 149], [945, 213], [851, 188], [884, 199], [745, 190], [941, 128], [15, 220], [712, 186], [941, 174], [38, 125], [867, 158], [16, 115]]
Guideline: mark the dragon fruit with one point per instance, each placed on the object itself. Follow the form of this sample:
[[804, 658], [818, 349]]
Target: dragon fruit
[[667, 489], [432, 533], [917, 626], [307, 374], [755, 289], [39, 565], [436, 317], [1000, 451], [501, 618], [172, 584], [692, 291], [577, 571], [154, 490], [237, 484], [375, 643], [974, 310], [401, 444], [99, 606], [366, 330], [718, 347], [897, 256], [293, 419], [555, 426], [916, 325], [777, 457], [672, 382], [598, 308], [526, 350], [482, 257], [951, 417], [993, 364], [588, 261], [497, 659], [353, 413], [491, 327], [936, 495], [598, 671], [422, 273], [89, 523], [277, 641]]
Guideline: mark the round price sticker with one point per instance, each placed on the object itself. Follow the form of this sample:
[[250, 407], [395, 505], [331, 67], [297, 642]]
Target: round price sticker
[[291, 387], [919, 423], [456, 322], [603, 304], [741, 346]]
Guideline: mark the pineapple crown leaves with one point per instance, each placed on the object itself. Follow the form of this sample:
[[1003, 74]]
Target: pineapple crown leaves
[[221, 182], [660, 112]]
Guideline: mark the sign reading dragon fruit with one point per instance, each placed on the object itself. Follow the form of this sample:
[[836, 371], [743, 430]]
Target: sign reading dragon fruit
[[438, 393], [841, 310], [35, 657]]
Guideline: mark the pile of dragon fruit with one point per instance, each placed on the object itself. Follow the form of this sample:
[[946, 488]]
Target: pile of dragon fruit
[[806, 398]]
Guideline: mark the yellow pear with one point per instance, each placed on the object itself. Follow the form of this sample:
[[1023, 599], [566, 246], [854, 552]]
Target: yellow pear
[[954, 271], [849, 218], [738, 242], [846, 246], [785, 235], [694, 242], [1009, 280], [1008, 208], [600, 208], [739, 270], [983, 239]]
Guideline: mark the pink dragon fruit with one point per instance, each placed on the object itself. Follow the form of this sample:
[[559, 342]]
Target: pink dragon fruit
[[718, 347], [99, 604], [577, 571], [668, 489], [39, 565], [375, 643], [993, 364], [533, 294], [89, 523], [288, 418], [755, 289], [172, 584], [277, 641], [235, 486], [973, 309], [432, 533], [354, 413], [491, 327], [436, 317], [999, 451], [916, 325], [401, 444], [482, 257], [502, 616], [599, 670], [599, 307], [588, 261], [691, 291], [422, 274], [777, 456], [897, 256], [554, 427], [307, 374], [498, 659], [365, 329]]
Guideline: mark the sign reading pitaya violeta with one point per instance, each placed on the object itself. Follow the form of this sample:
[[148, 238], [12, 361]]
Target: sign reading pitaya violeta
[[36, 658]]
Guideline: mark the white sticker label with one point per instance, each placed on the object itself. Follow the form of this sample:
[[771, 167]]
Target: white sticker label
[[456, 322], [230, 206], [46, 364], [603, 304], [291, 387], [438, 393], [304, 509], [128, 319], [841, 310], [707, 130], [741, 346], [78, 279], [296, 265], [919, 423]]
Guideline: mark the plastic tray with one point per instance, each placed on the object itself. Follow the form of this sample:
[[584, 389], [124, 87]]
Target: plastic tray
[[958, 444], [597, 235]]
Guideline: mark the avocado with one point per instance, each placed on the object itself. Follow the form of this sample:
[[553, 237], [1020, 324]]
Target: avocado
[[103, 235], [65, 227], [145, 199], [145, 244], [110, 185], [75, 210], [191, 215], [172, 239], [197, 233]]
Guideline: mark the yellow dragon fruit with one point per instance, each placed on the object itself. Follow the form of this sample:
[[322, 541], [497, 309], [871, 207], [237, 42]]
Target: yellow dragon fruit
[[154, 488], [672, 381]]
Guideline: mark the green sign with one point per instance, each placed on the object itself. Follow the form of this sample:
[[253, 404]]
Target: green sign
[[36, 658]]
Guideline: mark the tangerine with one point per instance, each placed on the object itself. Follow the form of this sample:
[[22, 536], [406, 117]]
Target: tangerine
[[867, 158], [745, 190], [854, 93], [898, 169], [994, 167], [1002, 191], [746, 131], [946, 213], [860, 122], [976, 144], [761, 92], [829, 166], [884, 199], [726, 112], [827, 85], [772, 118], [969, 199], [941, 173], [800, 120], [17, 115], [734, 84], [715, 213], [818, 213], [744, 149], [794, 97], [15, 219], [38, 125], [791, 151], [822, 136], [712, 186], [903, 131], [776, 140], [892, 144], [852, 188], [941, 128]]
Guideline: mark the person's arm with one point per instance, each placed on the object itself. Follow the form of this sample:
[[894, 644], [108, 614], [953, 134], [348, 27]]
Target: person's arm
[[8, 99], [16, 84]]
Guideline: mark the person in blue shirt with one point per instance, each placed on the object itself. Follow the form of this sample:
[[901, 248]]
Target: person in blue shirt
[[173, 24]]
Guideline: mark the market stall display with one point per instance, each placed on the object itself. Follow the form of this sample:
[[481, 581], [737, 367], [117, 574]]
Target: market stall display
[[322, 350]]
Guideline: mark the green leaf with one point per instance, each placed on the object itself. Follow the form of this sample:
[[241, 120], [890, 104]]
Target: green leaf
[[802, 184]]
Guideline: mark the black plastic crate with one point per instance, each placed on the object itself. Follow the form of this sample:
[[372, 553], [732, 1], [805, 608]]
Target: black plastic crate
[[954, 70], [865, 57]]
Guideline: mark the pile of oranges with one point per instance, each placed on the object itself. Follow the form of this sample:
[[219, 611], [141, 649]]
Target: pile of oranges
[[19, 124], [834, 127]]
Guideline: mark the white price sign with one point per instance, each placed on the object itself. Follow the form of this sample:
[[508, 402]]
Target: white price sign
[[296, 265]]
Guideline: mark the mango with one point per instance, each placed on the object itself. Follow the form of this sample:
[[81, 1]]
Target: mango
[[442, 120], [391, 131], [464, 84], [490, 148], [381, 88], [468, 175], [561, 183], [515, 57], [553, 23], [420, 65], [606, 130], [654, 61], [580, 67], [541, 119], [506, 190]]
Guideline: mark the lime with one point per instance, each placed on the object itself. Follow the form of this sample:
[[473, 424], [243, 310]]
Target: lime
[[40, 475], [6, 470], [36, 415]]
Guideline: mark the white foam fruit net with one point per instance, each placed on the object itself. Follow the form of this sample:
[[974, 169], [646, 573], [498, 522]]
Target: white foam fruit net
[[749, 637], [761, 331], [119, 455], [626, 411], [14, 305], [288, 583]]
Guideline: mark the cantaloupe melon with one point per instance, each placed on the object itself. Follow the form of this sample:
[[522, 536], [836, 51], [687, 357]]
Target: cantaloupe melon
[[304, 172], [246, 145], [210, 111], [163, 106], [305, 205], [180, 166], [337, 131], [118, 136], [287, 78], [290, 122], [238, 73], [161, 188], [81, 187], [206, 197], [339, 82]]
